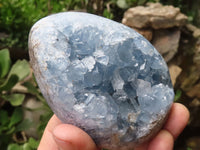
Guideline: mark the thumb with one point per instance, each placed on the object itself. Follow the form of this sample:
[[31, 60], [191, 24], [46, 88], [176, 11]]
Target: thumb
[[69, 137]]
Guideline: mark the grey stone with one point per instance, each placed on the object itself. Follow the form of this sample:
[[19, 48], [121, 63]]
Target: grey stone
[[147, 33], [101, 76], [195, 31], [166, 41], [155, 16], [174, 71]]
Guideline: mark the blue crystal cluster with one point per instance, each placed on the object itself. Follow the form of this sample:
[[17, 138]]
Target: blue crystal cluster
[[101, 76]]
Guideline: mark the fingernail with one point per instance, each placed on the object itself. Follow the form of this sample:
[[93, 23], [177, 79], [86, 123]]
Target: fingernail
[[64, 145]]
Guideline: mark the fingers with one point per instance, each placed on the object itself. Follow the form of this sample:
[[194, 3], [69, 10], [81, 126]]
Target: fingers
[[177, 120], [58, 136], [47, 142], [175, 124], [163, 141], [69, 137]]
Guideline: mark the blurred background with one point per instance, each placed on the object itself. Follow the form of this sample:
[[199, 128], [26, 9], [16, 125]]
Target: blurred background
[[172, 26]]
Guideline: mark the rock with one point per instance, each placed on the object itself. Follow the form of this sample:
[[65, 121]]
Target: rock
[[194, 92], [190, 78], [167, 42], [38, 108], [195, 31], [196, 57], [101, 76], [195, 103], [147, 33], [154, 15], [174, 71]]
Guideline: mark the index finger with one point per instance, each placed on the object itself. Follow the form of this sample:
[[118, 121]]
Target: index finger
[[178, 118]]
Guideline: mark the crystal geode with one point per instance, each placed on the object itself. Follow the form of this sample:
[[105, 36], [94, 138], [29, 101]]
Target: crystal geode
[[101, 76]]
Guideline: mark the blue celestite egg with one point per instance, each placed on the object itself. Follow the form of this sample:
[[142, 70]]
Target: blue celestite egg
[[101, 76]]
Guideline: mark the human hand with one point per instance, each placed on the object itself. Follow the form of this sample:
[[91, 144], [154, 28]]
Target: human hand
[[59, 136], [164, 140]]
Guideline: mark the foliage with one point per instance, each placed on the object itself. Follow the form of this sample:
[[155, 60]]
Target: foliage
[[12, 122], [10, 76], [114, 9], [30, 145], [124, 4], [188, 7], [177, 95], [17, 17]]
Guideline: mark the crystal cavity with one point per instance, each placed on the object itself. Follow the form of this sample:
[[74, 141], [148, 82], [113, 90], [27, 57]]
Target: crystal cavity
[[102, 77]]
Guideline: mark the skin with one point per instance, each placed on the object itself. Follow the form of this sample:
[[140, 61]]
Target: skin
[[59, 136]]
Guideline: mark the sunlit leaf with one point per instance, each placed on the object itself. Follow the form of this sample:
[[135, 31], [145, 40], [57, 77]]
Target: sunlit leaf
[[14, 147], [33, 143], [122, 4], [107, 14], [21, 69], [4, 62], [14, 99], [27, 146]]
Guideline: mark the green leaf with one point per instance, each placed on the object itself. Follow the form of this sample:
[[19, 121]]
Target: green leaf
[[14, 99], [3, 129], [188, 148], [5, 62], [31, 88], [177, 95], [107, 14], [18, 72], [16, 116], [14, 147], [122, 4], [9, 83], [27, 146], [33, 143], [5, 140], [3, 117], [24, 125], [44, 120], [21, 69], [10, 130]]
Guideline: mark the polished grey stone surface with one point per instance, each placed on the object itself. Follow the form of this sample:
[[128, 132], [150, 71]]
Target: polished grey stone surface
[[101, 76]]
